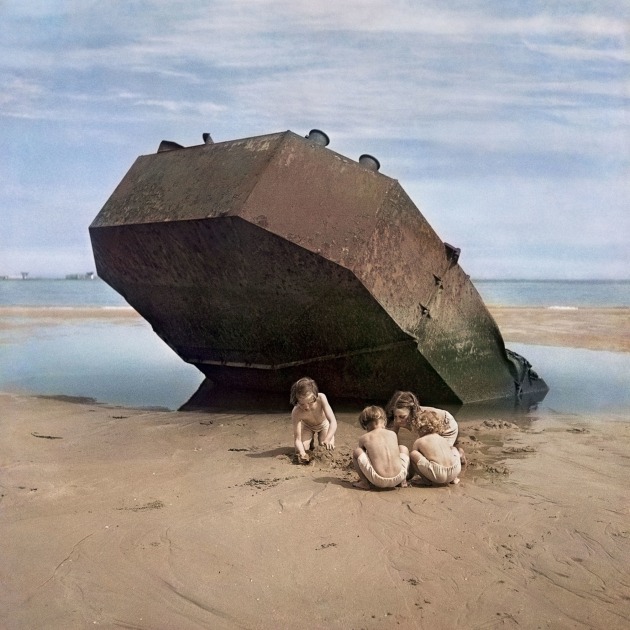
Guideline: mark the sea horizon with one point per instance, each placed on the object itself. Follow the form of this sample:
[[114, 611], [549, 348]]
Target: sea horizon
[[97, 293], [120, 360], [497, 279]]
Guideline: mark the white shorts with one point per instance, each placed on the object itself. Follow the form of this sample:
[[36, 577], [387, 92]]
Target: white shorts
[[308, 432], [383, 482], [436, 473]]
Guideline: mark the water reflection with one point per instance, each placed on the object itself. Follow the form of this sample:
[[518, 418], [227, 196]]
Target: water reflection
[[125, 363], [115, 363], [581, 381]]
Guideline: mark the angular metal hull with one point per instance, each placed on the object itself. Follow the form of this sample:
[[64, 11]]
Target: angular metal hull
[[266, 259]]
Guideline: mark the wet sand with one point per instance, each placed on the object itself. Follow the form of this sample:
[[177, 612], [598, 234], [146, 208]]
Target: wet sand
[[126, 518], [592, 328]]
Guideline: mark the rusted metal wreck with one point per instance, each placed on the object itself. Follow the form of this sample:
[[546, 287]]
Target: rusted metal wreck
[[265, 259]]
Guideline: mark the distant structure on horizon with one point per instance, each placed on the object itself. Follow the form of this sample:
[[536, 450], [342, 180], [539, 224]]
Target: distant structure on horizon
[[81, 276]]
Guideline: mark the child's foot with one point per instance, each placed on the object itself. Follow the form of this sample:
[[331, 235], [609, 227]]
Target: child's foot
[[455, 481], [361, 485], [404, 484]]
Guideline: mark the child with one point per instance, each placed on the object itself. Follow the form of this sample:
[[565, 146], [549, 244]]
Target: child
[[433, 457], [404, 410], [312, 416], [378, 459]]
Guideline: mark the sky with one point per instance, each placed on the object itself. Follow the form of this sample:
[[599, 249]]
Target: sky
[[506, 122]]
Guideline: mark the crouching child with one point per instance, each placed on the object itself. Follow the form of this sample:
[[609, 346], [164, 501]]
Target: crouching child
[[379, 460], [433, 457]]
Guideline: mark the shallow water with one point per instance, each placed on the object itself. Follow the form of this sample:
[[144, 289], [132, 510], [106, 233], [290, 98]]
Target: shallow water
[[116, 363], [125, 363], [580, 381], [70, 293]]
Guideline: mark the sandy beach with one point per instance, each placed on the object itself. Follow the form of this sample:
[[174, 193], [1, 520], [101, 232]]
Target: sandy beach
[[126, 518]]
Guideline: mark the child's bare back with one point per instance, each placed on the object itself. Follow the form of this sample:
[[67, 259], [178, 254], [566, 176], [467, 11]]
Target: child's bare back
[[436, 449], [435, 460], [378, 459], [381, 446]]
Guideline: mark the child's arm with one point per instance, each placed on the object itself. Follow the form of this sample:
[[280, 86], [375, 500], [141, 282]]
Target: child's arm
[[297, 434], [332, 429]]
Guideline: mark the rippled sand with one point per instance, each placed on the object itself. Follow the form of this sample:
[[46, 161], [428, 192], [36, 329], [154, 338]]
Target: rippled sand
[[126, 518]]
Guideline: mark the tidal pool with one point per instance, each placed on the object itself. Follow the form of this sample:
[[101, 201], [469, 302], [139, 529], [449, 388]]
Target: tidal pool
[[125, 363]]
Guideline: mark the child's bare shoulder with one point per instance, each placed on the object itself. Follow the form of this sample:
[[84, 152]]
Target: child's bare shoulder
[[431, 440]]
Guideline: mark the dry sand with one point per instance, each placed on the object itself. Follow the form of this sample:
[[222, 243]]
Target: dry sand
[[126, 518]]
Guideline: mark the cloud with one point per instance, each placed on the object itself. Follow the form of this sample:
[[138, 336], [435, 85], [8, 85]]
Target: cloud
[[485, 105], [575, 218]]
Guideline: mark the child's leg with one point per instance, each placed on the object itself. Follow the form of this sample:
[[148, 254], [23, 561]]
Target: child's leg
[[363, 482], [307, 438], [458, 455], [321, 436], [419, 465]]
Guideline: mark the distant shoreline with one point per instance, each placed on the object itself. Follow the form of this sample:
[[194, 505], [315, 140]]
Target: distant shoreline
[[473, 280], [593, 328]]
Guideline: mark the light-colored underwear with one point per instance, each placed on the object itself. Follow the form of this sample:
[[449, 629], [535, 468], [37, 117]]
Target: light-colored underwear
[[308, 431], [436, 473], [383, 482]]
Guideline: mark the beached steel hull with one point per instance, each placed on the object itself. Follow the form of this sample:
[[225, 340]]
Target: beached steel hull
[[265, 259]]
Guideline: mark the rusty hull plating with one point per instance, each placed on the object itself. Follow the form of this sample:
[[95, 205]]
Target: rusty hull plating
[[265, 259]]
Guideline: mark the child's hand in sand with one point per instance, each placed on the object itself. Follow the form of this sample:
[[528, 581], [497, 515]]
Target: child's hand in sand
[[303, 458], [328, 445]]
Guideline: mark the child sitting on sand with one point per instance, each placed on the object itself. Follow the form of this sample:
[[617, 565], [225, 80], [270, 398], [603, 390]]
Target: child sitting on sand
[[433, 457], [404, 410], [312, 416], [378, 459]]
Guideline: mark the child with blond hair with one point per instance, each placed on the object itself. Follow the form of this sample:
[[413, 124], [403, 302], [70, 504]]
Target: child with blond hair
[[404, 411], [433, 458], [378, 459]]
